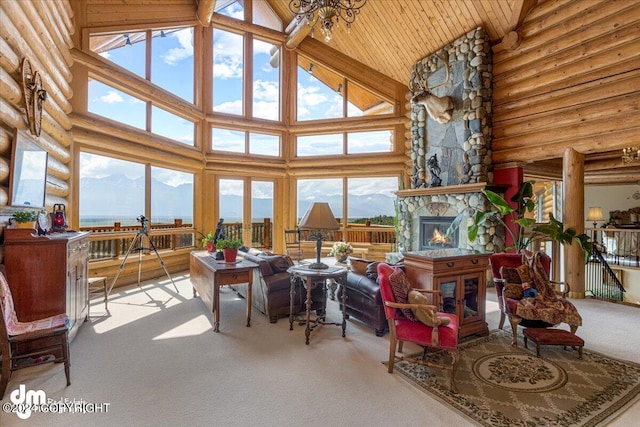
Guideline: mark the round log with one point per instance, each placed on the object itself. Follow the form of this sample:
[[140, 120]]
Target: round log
[[5, 167], [5, 142], [43, 30]]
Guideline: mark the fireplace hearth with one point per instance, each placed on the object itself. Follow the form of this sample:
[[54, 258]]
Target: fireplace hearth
[[433, 233]]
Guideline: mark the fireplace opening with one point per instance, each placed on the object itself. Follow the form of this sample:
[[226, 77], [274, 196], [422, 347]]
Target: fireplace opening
[[433, 233]]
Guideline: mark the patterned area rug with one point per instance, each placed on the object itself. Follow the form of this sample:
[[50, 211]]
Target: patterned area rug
[[500, 385]]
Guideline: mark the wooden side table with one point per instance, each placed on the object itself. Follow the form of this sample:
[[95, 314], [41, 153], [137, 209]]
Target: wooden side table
[[208, 275], [310, 278]]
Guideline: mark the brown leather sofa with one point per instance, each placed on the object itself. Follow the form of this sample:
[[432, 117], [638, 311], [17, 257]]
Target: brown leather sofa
[[272, 285], [363, 297]]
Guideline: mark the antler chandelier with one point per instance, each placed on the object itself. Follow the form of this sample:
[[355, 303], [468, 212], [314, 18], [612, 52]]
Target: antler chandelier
[[328, 12], [631, 154]]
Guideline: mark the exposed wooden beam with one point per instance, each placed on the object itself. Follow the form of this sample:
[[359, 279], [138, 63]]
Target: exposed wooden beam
[[296, 31], [521, 9], [205, 11]]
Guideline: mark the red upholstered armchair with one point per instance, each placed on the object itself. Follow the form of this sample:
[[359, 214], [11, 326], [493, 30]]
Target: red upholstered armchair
[[443, 336], [547, 309]]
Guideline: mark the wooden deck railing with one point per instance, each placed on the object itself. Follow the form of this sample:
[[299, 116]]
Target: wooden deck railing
[[114, 241]]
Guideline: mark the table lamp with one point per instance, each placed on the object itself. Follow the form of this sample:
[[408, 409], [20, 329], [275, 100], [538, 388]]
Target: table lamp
[[319, 217], [595, 215]]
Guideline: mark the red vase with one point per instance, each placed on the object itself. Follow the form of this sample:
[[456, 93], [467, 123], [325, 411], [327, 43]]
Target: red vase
[[230, 254]]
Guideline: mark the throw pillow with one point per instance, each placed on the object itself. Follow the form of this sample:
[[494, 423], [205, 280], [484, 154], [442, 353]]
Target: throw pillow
[[359, 265], [425, 315], [400, 287], [372, 271], [510, 274], [279, 263], [513, 291]]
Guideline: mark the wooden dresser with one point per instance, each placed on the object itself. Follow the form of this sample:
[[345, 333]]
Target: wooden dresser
[[461, 277], [48, 275]]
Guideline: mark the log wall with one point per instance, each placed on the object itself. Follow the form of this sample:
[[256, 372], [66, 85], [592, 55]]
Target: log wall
[[573, 82], [42, 32]]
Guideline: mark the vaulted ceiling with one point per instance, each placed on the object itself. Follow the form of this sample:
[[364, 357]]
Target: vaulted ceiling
[[390, 36]]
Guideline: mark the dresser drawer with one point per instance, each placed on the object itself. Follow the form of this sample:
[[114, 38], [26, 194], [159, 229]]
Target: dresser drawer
[[232, 277], [460, 264]]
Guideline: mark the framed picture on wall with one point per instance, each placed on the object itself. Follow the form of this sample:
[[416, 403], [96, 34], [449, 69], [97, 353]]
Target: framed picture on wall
[[28, 178]]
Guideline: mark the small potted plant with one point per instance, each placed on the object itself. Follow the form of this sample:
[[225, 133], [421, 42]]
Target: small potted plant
[[25, 219], [341, 251], [207, 241], [229, 248]]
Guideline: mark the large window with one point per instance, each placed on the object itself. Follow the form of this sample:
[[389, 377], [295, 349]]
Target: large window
[[228, 72], [171, 54], [113, 190], [350, 143], [119, 106], [266, 80], [368, 198], [116, 105], [236, 141], [324, 94]]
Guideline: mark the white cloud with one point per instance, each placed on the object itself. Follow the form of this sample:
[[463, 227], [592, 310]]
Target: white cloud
[[266, 110], [230, 107], [227, 55], [112, 97], [185, 39], [266, 90]]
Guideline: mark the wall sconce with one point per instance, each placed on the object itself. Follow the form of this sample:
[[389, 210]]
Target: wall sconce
[[319, 217], [339, 89], [127, 40], [311, 68], [162, 34]]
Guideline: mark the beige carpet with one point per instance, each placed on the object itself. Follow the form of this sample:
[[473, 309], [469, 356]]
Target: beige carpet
[[504, 386], [155, 359]]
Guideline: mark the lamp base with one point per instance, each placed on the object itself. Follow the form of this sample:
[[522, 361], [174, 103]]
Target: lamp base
[[318, 266]]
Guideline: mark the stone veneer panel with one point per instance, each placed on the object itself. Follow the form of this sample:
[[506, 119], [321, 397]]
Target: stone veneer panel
[[462, 146]]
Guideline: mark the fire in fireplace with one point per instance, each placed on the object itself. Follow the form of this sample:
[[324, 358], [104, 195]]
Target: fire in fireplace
[[433, 233]]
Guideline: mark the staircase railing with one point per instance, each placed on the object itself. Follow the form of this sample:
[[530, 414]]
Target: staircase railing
[[601, 282]]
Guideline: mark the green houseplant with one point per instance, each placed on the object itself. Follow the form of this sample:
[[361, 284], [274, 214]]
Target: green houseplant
[[25, 219], [229, 248], [207, 241], [526, 231]]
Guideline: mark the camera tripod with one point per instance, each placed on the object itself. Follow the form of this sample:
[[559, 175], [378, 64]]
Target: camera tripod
[[144, 231]]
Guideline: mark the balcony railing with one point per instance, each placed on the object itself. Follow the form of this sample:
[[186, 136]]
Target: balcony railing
[[619, 246]]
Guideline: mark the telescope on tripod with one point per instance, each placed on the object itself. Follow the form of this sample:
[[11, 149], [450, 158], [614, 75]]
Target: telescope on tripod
[[140, 248]]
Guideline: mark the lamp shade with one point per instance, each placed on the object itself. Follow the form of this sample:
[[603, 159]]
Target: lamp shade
[[595, 214], [319, 217]]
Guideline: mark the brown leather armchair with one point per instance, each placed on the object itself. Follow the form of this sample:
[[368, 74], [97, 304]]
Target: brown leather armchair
[[549, 308]]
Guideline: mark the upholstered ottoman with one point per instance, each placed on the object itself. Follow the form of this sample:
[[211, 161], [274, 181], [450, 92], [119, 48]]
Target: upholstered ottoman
[[550, 336]]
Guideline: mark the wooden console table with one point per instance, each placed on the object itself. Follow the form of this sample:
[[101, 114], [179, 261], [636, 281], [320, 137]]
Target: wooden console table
[[208, 275], [461, 277]]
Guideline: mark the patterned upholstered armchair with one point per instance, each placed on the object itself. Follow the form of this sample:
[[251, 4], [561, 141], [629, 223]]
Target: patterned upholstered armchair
[[526, 295]]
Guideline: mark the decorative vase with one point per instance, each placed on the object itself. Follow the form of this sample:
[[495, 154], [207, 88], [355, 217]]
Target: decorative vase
[[230, 254], [341, 257], [210, 247]]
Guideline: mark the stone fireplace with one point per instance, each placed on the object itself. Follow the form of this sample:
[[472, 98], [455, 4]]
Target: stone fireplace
[[462, 146], [433, 233]]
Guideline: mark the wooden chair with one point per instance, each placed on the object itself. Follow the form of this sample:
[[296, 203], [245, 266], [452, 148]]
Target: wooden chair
[[509, 306], [402, 329], [293, 244], [23, 344]]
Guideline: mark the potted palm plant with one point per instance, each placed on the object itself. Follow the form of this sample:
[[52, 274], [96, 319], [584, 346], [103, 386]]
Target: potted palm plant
[[229, 248], [526, 231]]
